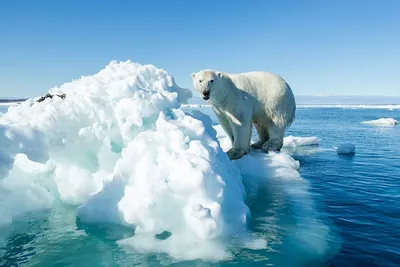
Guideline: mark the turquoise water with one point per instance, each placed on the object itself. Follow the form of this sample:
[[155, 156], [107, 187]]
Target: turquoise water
[[356, 197]]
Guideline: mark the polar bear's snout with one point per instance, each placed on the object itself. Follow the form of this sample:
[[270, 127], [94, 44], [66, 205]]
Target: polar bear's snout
[[204, 82], [206, 90], [206, 94]]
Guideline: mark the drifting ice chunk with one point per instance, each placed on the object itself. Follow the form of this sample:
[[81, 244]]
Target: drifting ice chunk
[[381, 122], [346, 149], [293, 141]]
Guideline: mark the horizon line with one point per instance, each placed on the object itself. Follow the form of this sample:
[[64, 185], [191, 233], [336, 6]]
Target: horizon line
[[14, 98]]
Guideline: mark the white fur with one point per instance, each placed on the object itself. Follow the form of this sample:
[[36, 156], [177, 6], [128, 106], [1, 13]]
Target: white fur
[[241, 100]]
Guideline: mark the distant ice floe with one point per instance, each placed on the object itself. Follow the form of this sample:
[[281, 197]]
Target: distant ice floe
[[349, 106], [9, 104], [343, 106], [346, 149], [196, 105], [381, 122]]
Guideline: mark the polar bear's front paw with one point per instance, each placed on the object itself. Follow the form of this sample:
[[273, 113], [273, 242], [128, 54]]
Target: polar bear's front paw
[[236, 153]]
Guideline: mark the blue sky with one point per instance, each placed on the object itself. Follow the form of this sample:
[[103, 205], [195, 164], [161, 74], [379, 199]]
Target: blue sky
[[341, 47]]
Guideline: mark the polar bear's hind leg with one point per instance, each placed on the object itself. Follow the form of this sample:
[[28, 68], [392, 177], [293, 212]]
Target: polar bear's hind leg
[[263, 135], [275, 141]]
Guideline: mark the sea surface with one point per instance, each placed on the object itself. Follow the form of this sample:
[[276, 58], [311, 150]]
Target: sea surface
[[358, 197]]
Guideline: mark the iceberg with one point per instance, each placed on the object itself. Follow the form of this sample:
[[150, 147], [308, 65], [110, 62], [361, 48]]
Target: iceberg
[[120, 149]]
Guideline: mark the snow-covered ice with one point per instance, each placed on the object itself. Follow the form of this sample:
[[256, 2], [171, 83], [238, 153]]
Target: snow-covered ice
[[381, 122], [121, 150], [120, 147], [346, 149]]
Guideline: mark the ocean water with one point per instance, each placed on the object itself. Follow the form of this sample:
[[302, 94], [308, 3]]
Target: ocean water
[[356, 197]]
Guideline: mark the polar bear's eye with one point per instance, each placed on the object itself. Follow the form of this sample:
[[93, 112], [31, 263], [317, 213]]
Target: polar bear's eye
[[200, 81], [211, 81]]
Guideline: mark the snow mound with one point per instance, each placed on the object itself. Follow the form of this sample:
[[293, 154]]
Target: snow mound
[[294, 141], [382, 122], [120, 148], [175, 179], [346, 149]]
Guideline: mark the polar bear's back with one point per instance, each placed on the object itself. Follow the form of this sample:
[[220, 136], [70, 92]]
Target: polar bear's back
[[259, 82], [272, 94]]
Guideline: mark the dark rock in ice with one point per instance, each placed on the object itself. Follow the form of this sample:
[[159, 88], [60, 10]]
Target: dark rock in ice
[[62, 96]]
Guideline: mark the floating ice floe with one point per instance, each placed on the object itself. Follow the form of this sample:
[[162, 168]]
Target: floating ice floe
[[381, 122], [346, 149], [294, 141]]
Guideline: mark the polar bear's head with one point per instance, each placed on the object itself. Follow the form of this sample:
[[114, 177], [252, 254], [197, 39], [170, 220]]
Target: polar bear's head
[[207, 83]]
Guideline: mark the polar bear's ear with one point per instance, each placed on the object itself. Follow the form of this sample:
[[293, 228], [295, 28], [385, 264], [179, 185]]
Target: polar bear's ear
[[193, 75], [219, 74]]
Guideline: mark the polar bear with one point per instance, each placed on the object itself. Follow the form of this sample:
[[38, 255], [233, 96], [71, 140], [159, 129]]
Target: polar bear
[[241, 100]]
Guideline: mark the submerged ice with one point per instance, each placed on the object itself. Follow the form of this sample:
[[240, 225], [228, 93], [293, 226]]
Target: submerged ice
[[346, 149], [121, 150]]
